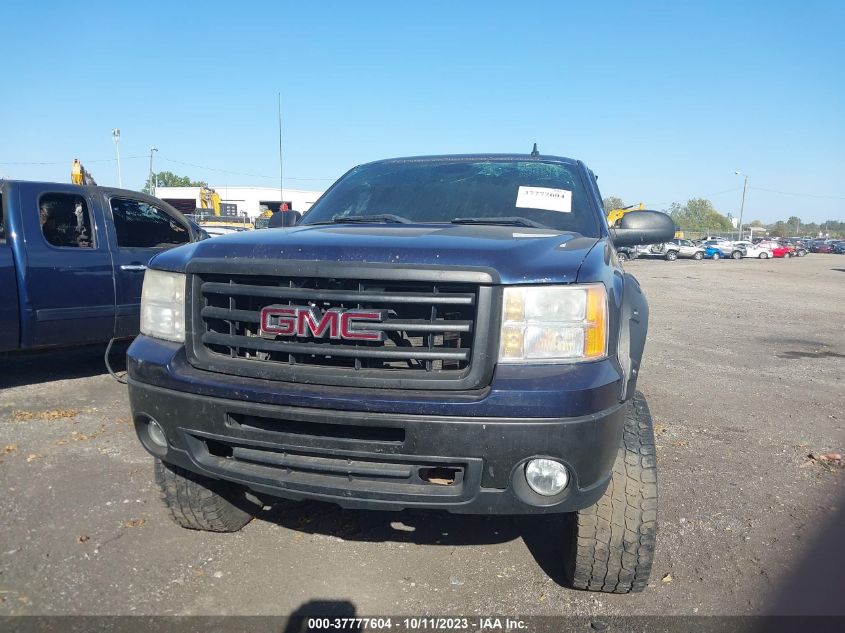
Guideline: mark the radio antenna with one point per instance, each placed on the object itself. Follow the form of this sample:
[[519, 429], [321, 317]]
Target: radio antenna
[[281, 181]]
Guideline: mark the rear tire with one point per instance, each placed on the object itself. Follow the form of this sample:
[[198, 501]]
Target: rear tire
[[763, 256], [716, 256], [736, 255], [622, 257], [198, 503], [611, 543], [671, 256], [698, 255]]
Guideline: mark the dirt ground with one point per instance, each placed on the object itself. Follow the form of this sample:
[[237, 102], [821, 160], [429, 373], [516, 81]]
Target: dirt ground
[[745, 376]]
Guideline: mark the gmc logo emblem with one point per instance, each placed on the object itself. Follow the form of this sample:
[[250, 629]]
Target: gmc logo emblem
[[336, 323]]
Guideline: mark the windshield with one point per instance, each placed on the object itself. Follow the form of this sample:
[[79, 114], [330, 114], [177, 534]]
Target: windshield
[[549, 194]]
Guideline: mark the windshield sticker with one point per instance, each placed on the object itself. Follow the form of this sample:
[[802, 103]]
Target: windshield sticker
[[542, 198]]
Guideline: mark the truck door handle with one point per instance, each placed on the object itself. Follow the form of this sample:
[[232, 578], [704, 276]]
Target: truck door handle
[[133, 267]]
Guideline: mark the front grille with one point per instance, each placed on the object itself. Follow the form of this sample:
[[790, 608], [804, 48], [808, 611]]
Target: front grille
[[431, 330]]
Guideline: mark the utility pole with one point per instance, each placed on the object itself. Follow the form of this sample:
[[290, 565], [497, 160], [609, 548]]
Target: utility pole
[[742, 206], [152, 174], [115, 134]]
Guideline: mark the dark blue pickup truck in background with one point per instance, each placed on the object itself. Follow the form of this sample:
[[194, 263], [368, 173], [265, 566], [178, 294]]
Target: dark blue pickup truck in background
[[72, 261]]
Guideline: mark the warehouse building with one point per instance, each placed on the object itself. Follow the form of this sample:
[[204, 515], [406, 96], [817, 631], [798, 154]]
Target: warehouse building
[[237, 201]]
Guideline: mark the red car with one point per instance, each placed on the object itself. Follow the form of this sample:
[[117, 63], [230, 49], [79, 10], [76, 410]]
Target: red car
[[778, 250]]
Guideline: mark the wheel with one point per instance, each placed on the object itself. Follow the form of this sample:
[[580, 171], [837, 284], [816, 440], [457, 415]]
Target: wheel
[[736, 255], [717, 256], [763, 256], [698, 255], [671, 256], [198, 503], [622, 257], [802, 253], [611, 543]]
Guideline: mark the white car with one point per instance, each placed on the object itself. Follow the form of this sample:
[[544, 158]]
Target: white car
[[760, 251]]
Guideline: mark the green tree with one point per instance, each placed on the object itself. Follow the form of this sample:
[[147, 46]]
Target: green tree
[[756, 224], [169, 179], [611, 203], [779, 229], [698, 213]]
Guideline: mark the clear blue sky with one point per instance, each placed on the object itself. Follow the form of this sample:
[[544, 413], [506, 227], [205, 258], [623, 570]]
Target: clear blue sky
[[664, 100]]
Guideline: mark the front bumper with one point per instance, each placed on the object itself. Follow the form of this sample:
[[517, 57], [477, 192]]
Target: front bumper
[[386, 461]]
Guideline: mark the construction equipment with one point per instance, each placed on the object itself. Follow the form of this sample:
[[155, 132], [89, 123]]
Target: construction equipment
[[209, 199], [616, 214], [79, 175]]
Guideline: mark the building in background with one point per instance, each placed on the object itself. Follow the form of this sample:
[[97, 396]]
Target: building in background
[[237, 201]]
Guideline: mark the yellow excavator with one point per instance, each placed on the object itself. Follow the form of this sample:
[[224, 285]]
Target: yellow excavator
[[79, 175], [210, 199], [616, 214]]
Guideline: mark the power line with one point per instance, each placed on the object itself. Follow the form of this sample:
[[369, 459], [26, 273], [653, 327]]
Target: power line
[[803, 195], [64, 162], [236, 173], [706, 195]]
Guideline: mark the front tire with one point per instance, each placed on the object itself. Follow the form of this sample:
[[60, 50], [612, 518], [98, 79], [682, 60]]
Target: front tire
[[716, 256], [611, 543], [622, 257], [698, 255], [763, 256], [198, 503], [736, 255]]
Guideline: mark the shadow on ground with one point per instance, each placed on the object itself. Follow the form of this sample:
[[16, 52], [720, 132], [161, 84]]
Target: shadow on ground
[[544, 536], [39, 367]]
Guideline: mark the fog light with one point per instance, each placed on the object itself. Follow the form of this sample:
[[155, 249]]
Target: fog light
[[546, 476], [156, 434]]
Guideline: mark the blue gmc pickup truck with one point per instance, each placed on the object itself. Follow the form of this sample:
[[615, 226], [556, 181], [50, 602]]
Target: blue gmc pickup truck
[[447, 332], [72, 261]]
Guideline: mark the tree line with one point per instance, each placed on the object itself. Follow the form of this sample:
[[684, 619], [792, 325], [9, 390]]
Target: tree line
[[699, 214]]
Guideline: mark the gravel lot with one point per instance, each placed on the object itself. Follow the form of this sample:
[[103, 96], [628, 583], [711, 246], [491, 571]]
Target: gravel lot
[[745, 376]]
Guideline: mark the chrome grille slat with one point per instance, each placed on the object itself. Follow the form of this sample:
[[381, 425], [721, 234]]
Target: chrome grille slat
[[431, 328], [328, 349]]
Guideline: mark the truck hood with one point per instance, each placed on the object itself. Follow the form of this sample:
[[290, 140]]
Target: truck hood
[[513, 254]]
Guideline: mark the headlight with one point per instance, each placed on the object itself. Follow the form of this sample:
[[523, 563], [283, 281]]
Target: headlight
[[553, 324], [163, 305]]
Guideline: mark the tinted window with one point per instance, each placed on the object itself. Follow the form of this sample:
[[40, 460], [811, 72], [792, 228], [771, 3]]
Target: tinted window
[[141, 225], [65, 220], [2, 221], [425, 191]]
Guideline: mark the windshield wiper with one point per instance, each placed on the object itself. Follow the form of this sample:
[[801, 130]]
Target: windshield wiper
[[510, 221], [385, 218]]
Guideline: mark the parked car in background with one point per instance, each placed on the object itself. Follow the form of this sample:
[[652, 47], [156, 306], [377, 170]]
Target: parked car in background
[[728, 249], [626, 253], [839, 248], [796, 248], [776, 248], [759, 250], [675, 248], [821, 247], [712, 252]]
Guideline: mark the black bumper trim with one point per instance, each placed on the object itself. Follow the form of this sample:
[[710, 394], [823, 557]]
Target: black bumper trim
[[484, 454]]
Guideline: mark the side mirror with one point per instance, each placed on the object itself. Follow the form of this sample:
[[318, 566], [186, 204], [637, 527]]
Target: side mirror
[[643, 227]]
